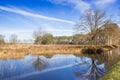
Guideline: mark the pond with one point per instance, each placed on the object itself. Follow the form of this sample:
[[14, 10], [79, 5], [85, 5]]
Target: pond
[[58, 66]]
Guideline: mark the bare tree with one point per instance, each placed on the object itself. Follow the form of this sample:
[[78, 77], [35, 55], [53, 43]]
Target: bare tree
[[13, 39], [91, 22], [112, 33], [2, 39], [38, 34]]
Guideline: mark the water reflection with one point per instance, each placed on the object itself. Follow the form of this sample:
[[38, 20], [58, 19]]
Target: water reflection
[[58, 67], [40, 64], [93, 71]]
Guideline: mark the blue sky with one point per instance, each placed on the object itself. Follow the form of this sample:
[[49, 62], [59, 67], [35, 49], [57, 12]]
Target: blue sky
[[22, 17]]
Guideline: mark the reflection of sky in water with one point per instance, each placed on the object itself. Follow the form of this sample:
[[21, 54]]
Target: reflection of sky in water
[[58, 67], [10, 68], [62, 60]]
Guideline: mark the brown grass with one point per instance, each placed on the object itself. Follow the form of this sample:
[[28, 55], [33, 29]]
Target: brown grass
[[20, 50], [8, 51]]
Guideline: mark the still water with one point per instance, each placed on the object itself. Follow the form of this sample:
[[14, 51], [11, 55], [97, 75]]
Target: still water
[[58, 66]]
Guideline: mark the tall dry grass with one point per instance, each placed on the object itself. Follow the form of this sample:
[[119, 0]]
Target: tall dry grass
[[20, 50]]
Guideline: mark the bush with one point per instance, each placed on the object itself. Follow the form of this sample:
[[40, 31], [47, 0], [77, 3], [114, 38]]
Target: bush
[[47, 39]]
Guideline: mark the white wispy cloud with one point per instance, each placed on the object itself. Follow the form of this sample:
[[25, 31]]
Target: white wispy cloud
[[26, 13], [103, 2], [21, 34], [15, 31], [59, 30], [78, 4]]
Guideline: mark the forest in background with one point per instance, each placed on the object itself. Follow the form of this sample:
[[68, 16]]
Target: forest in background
[[93, 28]]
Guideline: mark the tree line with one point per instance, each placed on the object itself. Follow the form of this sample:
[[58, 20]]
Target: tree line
[[99, 28], [93, 28]]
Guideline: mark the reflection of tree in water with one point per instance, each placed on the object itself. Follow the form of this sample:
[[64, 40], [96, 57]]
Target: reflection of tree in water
[[6, 69], [40, 64], [94, 70], [112, 57]]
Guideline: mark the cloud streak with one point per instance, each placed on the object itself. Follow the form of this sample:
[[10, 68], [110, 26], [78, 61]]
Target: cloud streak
[[26, 13], [104, 2], [59, 30], [78, 4]]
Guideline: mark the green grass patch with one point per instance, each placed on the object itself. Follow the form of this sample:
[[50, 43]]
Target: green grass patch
[[114, 73]]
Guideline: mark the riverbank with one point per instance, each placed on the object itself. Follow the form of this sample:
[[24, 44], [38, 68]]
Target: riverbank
[[114, 73], [20, 50], [8, 51]]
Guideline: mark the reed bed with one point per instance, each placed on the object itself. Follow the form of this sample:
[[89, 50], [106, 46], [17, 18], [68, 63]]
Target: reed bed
[[20, 50], [9, 51]]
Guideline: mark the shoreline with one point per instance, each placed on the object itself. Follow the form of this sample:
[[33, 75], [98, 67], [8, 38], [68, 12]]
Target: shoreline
[[14, 51], [114, 73], [20, 50]]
